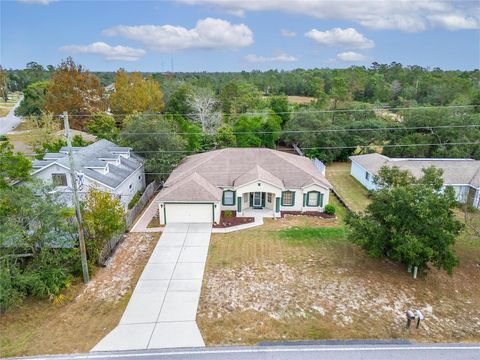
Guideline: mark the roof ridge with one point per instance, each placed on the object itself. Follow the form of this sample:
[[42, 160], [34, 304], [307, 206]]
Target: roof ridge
[[277, 153]]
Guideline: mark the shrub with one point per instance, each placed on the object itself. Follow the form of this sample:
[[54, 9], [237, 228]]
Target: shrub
[[228, 213], [3, 138], [330, 209], [134, 200]]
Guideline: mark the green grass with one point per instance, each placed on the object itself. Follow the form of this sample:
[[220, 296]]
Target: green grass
[[352, 192], [311, 235]]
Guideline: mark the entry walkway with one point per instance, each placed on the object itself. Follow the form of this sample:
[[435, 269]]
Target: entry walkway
[[162, 310]]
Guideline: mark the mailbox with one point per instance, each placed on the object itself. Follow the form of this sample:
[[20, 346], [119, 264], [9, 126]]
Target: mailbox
[[410, 316], [419, 316]]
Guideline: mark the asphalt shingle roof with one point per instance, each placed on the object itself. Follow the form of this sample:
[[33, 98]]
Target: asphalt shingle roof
[[90, 156], [455, 171], [232, 167]]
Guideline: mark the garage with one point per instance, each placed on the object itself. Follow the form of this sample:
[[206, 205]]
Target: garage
[[188, 213]]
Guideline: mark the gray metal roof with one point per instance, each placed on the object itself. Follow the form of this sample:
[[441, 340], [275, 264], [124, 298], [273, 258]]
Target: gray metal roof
[[455, 171], [90, 156]]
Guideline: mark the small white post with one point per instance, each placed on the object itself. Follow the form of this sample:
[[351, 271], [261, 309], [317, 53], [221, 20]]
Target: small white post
[[415, 269]]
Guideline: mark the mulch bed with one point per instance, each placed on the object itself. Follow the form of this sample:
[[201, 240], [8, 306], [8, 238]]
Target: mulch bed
[[309, 213], [233, 220]]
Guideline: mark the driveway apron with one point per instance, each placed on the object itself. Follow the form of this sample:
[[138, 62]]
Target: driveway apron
[[162, 310]]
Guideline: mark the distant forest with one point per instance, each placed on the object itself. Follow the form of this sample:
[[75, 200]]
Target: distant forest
[[401, 111], [392, 84]]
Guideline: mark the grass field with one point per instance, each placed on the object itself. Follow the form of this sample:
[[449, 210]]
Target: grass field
[[6, 106], [352, 192], [300, 278]]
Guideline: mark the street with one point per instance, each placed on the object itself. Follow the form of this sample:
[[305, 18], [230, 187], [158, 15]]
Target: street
[[10, 122], [294, 352]]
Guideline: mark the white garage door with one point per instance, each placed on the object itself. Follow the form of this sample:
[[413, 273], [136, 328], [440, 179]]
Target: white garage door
[[188, 213]]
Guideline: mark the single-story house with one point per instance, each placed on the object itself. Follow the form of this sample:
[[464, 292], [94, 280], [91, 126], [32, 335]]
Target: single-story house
[[463, 175], [103, 164], [248, 181]]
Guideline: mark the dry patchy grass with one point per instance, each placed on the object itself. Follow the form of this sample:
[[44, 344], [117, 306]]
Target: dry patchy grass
[[261, 286], [88, 313], [353, 193]]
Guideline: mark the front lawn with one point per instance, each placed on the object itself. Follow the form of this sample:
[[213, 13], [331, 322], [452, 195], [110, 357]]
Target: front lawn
[[86, 314], [352, 192], [300, 278]]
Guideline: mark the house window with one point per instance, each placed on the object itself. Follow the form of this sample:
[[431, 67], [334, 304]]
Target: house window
[[269, 197], [288, 198], [229, 197], [367, 176], [59, 179], [312, 198], [139, 177], [130, 186]]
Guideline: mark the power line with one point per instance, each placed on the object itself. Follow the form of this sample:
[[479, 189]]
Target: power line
[[291, 112], [193, 152], [425, 127]]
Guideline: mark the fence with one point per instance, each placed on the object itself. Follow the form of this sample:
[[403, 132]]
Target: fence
[[109, 249], [144, 199], [319, 165], [132, 214]]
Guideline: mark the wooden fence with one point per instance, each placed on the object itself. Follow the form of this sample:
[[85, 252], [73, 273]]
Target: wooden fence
[[144, 200], [132, 214]]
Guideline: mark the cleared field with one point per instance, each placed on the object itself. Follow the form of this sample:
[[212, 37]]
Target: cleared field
[[6, 106], [352, 192], [88, 312], [300, 278]]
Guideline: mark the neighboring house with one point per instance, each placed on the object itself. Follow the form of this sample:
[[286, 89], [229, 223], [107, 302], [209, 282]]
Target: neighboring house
[[103, 164], [250, 181], [463, 175]]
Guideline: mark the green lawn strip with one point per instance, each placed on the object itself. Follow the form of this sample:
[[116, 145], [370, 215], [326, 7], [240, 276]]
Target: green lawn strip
[[311, 235]]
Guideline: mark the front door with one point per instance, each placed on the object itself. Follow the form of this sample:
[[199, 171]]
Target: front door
[[257, 199]]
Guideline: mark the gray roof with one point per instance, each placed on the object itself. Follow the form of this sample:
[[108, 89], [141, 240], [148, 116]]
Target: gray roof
[[89, 157], [455, 171], [233, 167]]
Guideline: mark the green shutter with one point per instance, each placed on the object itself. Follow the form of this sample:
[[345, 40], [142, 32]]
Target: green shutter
[[250, 199], [277, 204], [239, 204], [320, 200], [263, 199], [305, 199]]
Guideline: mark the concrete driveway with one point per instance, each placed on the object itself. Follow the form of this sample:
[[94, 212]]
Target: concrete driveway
[[162, 310]]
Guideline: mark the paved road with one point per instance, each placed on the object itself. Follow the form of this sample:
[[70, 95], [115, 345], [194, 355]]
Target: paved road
[[10, 122], [309, 352], [162, 310]]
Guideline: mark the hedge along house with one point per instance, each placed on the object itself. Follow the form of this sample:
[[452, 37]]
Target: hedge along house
[[103, 165], [463, 175], [248, 181]]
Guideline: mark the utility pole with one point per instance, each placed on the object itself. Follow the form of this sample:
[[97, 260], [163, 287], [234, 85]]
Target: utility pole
[[81, 239]]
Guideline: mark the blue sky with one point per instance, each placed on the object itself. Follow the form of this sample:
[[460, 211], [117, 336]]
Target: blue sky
[[224, 35]]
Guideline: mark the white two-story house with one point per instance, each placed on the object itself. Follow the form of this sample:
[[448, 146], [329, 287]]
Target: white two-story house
[[103, 164]]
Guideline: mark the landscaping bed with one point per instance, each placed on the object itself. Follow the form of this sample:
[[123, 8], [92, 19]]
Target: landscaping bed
[[308, 213], [229, 219]]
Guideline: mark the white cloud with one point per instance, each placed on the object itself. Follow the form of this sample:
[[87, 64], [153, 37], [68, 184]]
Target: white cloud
[[41, 2], [107, 51], [288, 33], [455, 21], [341, 37], [350, 56], [280, 57], [405, 15], [208, 33]]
